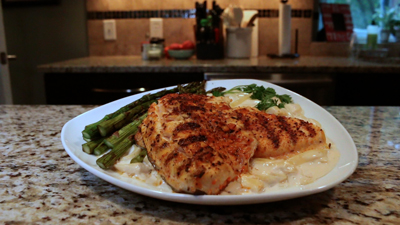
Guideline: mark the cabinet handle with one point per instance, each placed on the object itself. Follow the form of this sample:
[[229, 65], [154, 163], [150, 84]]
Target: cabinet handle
[[11, 57], [132, 90]]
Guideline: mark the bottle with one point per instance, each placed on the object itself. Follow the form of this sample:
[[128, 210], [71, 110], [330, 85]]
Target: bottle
[[211, 35], [372, 35], [204, 31]]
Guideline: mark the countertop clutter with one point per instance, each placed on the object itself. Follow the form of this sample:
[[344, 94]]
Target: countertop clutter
[[41, 184], [263, 64]]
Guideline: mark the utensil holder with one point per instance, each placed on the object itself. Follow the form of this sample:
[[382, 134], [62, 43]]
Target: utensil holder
[[238, 42]]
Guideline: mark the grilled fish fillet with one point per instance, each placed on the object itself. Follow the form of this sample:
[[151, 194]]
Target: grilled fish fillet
[[196, 143], [199, 144], [280, 136]]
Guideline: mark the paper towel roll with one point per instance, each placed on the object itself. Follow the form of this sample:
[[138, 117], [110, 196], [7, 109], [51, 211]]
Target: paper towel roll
[[285, 11]]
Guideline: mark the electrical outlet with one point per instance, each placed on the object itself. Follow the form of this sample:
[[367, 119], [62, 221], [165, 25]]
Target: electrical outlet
[[156, 27], [110, 31]]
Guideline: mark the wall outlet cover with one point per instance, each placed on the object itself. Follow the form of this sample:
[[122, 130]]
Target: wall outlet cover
[[156, 28], [110, 30]]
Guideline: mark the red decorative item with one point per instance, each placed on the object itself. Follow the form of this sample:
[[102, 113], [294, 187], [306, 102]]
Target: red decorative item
[[337, 22]]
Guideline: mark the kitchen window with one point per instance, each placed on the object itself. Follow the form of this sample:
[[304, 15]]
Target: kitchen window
[[362, 12]]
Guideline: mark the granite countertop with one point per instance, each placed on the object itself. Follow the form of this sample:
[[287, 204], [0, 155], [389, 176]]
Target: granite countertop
[[303, 64], [41, 184]]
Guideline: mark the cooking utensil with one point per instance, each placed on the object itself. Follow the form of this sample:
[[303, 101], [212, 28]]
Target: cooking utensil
[[251, 21], [237, 15]]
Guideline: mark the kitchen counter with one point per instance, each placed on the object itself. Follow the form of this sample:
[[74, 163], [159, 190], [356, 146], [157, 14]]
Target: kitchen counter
[[41, 184], [303, 64], [324, 80]]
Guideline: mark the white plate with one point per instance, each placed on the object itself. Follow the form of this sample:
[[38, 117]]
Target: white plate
[[72, 141]]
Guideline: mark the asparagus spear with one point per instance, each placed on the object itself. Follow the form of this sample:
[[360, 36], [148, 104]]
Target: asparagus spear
[[109, 126], [189, 88], [91, 130], [140, 157], [193, 87], [217, 89], [88, 147], [140, 101], [110, 158], [100, 149], [201, 90], [88, 139], [124, 132]]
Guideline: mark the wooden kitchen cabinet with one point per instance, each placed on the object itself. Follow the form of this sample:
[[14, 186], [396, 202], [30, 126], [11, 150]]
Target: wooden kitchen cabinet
[[358, 89], [101, 88], [366, 89]]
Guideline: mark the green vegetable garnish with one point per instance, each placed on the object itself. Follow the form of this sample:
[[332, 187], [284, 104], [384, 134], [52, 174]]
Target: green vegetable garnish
[[267, 96], [139, 158]]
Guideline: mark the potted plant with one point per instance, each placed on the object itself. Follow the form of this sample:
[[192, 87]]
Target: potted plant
[[385, 21]]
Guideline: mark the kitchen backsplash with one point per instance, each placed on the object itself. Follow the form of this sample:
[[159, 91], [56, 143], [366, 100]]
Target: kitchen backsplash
[[132, 24]]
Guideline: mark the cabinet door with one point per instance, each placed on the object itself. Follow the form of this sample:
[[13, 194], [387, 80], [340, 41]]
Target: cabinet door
[[101, 88], [367, 89]]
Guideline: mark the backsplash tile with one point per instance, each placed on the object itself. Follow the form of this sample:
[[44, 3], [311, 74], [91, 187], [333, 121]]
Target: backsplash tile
[[179, 30], [181, 13], [141, 14], [132, 23]]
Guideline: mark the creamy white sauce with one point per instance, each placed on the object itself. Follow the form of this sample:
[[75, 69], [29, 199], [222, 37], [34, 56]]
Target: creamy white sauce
[[143, 172], [273, 174], [264, 174]]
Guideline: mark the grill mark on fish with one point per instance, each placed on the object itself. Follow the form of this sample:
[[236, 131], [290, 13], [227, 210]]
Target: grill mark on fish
[[222, 156], [186, 126], [272, 133], [185, 166], [204, 154], [287, 128], [191, 139], [191, 108], [200, 173], [171, 156]]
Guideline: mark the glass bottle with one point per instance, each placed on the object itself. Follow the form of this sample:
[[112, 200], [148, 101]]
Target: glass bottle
[[372, 35]]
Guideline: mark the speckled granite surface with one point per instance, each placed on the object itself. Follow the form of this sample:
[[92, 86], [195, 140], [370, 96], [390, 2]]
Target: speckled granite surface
[[309, 64], [41, 184]]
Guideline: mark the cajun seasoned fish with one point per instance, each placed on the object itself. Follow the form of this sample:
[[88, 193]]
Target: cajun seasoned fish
[[199, 144], [280, 136], [196, 143]]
